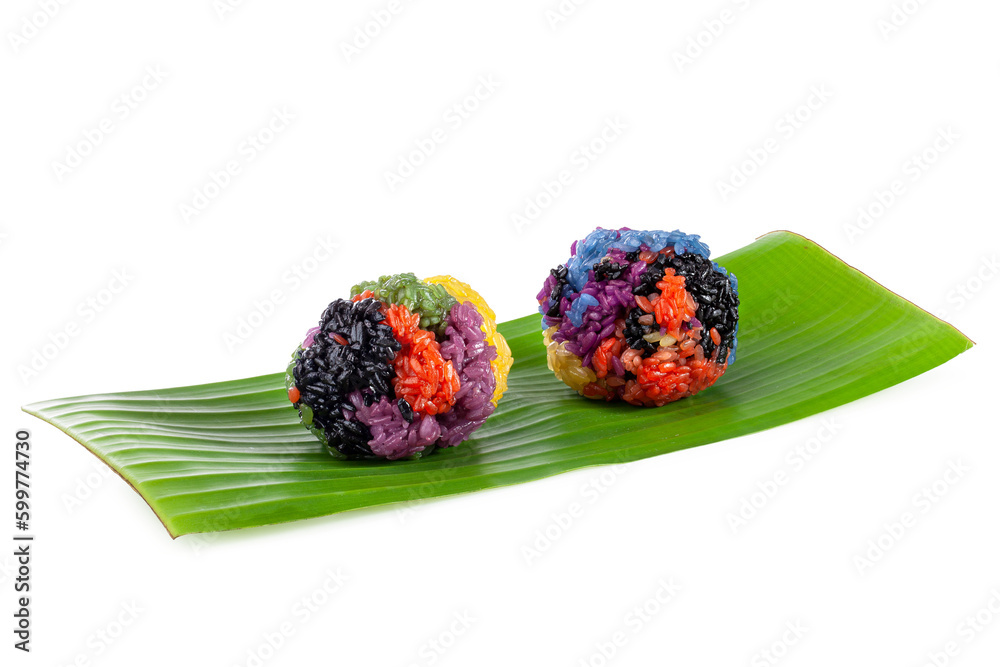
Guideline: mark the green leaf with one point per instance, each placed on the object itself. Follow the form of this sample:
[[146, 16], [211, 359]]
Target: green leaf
[[814, 334]]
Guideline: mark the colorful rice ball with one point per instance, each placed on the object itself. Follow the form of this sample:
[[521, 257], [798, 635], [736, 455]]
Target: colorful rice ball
[[641, 316], [401, 368]]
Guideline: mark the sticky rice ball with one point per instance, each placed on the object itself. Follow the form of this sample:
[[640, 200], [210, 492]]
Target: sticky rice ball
[[403, 367], [640, 316]]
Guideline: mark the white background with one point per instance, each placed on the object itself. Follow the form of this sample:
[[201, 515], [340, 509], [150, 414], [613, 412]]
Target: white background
[[889, 91]]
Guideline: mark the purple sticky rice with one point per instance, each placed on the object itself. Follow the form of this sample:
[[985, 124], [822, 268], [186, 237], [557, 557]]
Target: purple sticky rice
[[392, 436], [614, 298], [466, 348]]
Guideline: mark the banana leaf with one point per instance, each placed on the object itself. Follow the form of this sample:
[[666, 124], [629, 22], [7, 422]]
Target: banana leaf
[[814, 334]]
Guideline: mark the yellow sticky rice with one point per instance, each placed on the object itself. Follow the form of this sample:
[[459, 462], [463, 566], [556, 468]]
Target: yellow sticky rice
[[567, 366], [464, 292]]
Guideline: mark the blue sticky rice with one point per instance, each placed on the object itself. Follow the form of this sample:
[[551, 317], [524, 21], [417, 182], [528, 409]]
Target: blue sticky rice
[[589, 250], [578, 307]]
